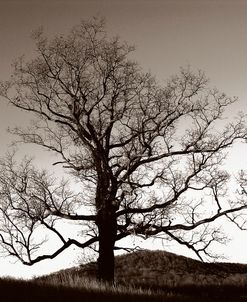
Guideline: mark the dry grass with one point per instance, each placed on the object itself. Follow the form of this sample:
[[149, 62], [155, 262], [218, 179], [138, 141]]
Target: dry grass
[[65, 288], [143, 276], [159, 270]]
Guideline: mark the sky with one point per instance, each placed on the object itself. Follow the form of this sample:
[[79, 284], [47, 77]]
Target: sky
[[204, 34]]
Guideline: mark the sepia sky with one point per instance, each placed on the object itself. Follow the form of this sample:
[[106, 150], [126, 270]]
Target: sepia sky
[[205, 34]]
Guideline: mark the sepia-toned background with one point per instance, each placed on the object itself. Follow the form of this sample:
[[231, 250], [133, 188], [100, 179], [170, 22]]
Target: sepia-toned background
[[203, 34]]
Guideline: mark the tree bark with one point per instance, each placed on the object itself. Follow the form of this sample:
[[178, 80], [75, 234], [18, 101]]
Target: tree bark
[[107, 227]]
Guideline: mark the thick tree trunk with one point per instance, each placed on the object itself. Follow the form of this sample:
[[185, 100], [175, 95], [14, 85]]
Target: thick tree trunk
[[107, 227]]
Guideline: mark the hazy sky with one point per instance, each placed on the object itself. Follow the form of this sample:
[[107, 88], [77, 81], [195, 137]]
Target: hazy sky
[[207, 34]]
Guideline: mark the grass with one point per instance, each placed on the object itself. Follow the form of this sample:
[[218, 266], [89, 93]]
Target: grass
[[141, 276], [73, 290], [159, 270], [68, 289]]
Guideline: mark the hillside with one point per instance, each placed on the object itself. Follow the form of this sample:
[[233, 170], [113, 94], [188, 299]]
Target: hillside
[[143, 276], [160, 269]]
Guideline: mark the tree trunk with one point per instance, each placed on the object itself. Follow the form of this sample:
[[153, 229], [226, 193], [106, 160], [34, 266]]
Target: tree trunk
[[107, 227]]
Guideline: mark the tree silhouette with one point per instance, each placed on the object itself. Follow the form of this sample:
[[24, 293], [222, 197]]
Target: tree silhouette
[[149, 159]]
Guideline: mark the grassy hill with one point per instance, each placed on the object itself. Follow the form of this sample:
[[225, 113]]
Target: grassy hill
[[140, 276], [159, 269], [166, 272]]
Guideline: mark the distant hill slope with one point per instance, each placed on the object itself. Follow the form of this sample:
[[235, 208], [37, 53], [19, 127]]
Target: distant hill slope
[[173, 278], [160, 269]]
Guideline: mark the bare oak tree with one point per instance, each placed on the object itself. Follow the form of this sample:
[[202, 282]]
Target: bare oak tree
[[149, 159]]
